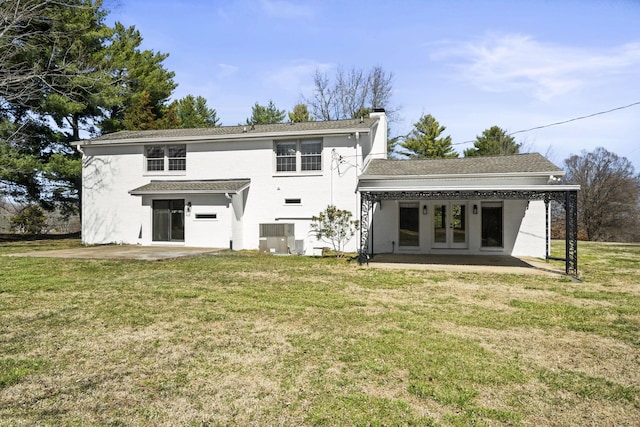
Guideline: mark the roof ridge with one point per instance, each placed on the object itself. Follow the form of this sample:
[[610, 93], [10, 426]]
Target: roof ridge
[[235, 130], [492, 156], [523, 163]]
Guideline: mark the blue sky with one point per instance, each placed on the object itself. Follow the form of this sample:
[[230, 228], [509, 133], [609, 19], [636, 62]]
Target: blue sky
[[470, 64]]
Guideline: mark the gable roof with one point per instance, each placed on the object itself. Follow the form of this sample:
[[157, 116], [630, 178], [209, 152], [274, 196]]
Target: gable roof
[[529, 163], [214, 186], [281, 130]]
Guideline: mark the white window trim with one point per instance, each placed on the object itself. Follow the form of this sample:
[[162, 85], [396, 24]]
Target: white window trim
[[165, 159], [298, 170]]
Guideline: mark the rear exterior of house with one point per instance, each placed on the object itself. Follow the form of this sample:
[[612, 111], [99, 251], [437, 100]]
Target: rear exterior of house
[[258, 187], [244, 187], [494, 205]]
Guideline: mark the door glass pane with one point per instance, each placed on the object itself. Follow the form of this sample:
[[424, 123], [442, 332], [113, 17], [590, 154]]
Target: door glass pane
[[409, 226], [492, 225], [459, 219], [440, 223], [161, 220], [177, 220]]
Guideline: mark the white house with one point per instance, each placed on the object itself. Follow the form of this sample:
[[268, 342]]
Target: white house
[[244, 187], [257, 187]]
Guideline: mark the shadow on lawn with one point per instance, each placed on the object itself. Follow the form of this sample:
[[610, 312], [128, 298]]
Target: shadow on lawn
[[14, 237]]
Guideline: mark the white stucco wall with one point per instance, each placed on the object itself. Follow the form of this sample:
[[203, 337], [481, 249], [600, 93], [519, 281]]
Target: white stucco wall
[[523, 229], [531, 239], [109, 213], [112, 215]]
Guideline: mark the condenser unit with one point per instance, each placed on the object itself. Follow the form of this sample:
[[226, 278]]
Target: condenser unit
[[277, 238]]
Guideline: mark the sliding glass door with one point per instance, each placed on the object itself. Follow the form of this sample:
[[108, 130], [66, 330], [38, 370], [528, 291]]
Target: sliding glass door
[[168, 220]]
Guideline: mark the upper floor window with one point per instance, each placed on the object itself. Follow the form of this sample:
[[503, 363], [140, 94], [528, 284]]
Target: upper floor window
[[299, 155], [286, 156], [166, 158]]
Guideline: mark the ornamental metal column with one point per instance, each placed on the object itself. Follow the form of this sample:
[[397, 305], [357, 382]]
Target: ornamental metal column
[[571, 244], [366, 204], [547, 228]]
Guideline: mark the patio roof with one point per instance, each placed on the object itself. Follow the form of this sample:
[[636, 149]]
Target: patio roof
[[527, 164], [523, 176], [216, 186]]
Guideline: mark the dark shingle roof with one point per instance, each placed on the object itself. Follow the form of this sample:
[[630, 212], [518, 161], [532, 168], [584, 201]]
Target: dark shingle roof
[[204, 186], [235, 130], [519, 163]]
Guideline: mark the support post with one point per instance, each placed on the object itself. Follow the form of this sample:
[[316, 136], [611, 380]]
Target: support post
[[547, 236], [571, 244], [365, 212]]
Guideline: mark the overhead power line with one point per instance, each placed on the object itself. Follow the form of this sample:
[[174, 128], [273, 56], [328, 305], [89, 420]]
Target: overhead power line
[[564, 121]]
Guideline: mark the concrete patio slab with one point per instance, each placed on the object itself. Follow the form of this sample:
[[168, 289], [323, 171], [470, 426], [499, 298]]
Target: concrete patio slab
[[461, 263], [147, 253], [467, 263]]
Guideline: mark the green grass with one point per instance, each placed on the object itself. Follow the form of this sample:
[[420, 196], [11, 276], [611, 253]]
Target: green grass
[[249, 339]]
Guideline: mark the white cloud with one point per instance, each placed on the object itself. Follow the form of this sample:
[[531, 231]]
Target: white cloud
[[286, 9], [297, 77], [514, 62], [225, 70]]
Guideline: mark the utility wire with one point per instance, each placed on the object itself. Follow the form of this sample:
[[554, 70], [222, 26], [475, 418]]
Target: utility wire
[[563, 122]]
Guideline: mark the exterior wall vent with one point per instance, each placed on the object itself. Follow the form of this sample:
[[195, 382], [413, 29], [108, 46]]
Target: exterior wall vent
[[277, 238]]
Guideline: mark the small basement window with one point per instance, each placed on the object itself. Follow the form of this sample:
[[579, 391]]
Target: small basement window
[[292, 201], [206, 216]]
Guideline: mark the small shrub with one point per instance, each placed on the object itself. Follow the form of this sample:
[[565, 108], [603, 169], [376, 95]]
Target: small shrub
[[31, 220], [336, 227]]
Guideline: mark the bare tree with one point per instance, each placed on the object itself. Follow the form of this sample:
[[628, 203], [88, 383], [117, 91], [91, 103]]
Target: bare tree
[[380, 84], [608, 200], [322, 101], [350, 93]]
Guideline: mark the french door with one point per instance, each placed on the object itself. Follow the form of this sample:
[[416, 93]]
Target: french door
[[450, 225]]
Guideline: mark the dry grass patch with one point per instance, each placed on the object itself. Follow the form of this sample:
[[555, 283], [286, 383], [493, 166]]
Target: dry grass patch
[[248, 339]]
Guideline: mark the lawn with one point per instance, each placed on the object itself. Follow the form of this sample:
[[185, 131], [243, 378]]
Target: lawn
[[248, 339]]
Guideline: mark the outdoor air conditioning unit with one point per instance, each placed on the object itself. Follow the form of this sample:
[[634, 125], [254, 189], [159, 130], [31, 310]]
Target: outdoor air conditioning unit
[[277, 238]]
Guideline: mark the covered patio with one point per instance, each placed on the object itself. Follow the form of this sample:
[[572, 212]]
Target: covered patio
[[470, 182], [568, 197]]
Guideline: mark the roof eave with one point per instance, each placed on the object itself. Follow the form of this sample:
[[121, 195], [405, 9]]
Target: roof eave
[[167, 192], [225, 137], [544, 188], [554, 173]]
